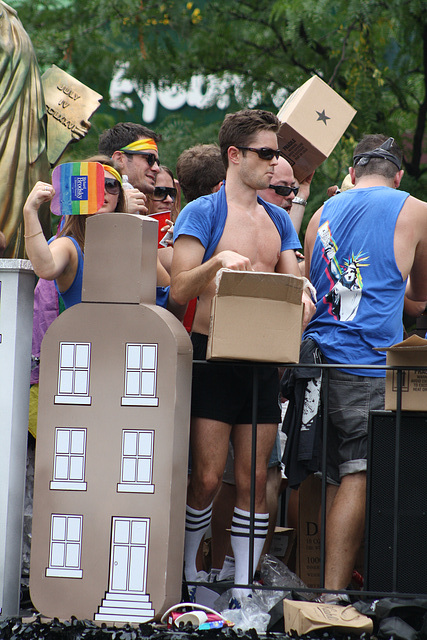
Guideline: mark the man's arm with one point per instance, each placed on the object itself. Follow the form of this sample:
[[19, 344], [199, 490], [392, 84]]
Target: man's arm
[[297, 211], [189, 277], [310, 238]]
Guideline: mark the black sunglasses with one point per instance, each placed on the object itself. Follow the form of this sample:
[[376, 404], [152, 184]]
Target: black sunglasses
[[150, 157], [265, 153], [283, 191], [161, 193], [112, 186]]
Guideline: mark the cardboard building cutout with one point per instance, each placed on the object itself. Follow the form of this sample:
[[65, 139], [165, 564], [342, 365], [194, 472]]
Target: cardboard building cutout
[[112, 439]]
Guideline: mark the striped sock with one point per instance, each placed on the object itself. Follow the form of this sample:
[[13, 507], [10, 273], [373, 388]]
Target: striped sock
[[240, 543], [196, 525]]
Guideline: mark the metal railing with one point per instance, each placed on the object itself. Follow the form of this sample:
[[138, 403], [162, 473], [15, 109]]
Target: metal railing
[[359, 593]]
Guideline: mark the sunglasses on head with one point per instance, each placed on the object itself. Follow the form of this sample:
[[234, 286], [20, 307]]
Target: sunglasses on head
[[161, 193], [265, 153], [284, 191], [151, 158], [112, 186]]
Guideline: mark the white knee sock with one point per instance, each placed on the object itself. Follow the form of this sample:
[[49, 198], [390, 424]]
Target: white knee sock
[[196, 525], [240, 543]]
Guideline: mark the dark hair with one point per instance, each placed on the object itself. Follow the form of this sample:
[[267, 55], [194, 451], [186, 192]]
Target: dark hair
[[239, 128], [76, 225], [122, 134], [376, 166], [199, 169]]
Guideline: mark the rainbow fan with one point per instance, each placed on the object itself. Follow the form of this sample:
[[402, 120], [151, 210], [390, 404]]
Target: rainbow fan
[[79, 188]]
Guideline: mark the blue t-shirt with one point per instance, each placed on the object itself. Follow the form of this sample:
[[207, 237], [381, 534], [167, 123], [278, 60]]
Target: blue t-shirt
[[359, 287], [205, 220], [73, 295]]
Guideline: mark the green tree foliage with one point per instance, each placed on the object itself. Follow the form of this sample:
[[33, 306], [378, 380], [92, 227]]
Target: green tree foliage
[[372, 52]]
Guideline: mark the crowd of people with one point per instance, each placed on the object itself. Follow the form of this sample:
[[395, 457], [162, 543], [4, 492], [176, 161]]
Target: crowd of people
[[365, 250]]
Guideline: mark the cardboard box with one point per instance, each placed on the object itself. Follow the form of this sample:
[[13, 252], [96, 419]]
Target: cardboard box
[[282, 543], [412, 351], [308, 534], [256, 316], [303, 617], [314, 117]]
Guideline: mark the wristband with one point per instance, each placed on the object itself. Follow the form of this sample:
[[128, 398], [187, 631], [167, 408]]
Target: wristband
[[298, 200]]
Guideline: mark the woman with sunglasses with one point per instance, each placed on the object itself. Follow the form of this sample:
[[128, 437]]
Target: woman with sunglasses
[[165, 194], [61, 259]]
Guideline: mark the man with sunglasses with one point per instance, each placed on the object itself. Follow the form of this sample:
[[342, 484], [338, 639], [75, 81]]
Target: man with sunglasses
[[285, 192], [133, 148], [232, 229]]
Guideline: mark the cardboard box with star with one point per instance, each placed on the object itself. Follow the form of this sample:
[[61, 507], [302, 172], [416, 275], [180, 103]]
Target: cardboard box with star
[[314, 117]]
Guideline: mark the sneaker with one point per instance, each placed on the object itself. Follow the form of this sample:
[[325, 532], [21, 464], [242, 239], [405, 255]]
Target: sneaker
[[227, 571], [213, 575]]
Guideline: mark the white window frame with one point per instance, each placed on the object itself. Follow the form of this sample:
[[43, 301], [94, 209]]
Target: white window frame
[[65, 546], [135, 454], [140, 383], [74, 370], [69, 453]]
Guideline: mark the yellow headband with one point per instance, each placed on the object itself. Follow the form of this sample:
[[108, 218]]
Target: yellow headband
[[113, 172], [146, 144]]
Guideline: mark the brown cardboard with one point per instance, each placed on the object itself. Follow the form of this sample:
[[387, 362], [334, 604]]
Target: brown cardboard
[[111, 462], [412, 351], [256, 316], [282, 543], [304, 617], [308, 535], [314, 117]]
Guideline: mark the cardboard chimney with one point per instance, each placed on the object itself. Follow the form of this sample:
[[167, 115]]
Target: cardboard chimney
[[112, 439]]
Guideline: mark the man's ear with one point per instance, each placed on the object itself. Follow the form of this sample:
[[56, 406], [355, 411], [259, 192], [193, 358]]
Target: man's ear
[[233, 155], [118, 158], [217, 187], [398, 178], [352, 174]]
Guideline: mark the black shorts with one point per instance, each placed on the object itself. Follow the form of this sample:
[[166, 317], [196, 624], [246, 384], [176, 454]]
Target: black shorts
[[223, 392]]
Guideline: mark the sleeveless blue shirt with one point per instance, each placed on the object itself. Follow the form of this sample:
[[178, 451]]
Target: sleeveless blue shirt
[[359, 286]]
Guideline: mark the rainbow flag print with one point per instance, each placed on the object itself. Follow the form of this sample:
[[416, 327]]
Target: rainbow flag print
[[79, 188]]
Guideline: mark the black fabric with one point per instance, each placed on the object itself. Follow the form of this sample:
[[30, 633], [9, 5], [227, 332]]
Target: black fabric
[[302, 455]]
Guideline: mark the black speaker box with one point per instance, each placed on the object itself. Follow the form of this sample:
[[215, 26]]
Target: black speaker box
[[396, 558]]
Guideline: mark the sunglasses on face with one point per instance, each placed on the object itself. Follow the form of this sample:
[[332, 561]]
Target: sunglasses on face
[[112, 186], [265, 153], [161, 193], [284, 191], [151, 158]]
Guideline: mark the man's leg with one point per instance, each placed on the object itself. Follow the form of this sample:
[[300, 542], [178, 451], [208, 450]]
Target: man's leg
[[242, 442], [344, 530], [209, 447]]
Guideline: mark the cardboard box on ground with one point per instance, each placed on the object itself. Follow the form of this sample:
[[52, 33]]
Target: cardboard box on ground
[[314, 117], [256, 316], [410, 352], [304, 617]]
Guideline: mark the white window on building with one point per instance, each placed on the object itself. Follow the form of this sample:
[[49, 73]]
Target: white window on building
[[141, 376], [137, 462], [65, 549], [69, 459], [73, 375]]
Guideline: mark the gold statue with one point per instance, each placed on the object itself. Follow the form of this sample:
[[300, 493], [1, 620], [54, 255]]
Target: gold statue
[[23, 157]]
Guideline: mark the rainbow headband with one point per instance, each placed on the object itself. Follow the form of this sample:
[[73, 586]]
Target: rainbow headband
[[146, 144], [113, 172]]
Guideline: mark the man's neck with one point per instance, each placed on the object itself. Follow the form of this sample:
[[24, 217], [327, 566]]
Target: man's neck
[[373, 180], [240, 195]]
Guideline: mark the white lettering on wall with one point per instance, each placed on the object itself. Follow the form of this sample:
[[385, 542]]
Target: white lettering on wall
[[201, 93]]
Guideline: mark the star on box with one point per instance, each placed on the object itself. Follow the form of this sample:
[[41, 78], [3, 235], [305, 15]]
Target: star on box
[[322, 116]]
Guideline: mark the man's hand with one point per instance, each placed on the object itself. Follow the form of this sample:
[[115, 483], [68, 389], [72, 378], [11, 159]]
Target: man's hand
[[304, 187], [309, 310], [136, 201], [235, 261]]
